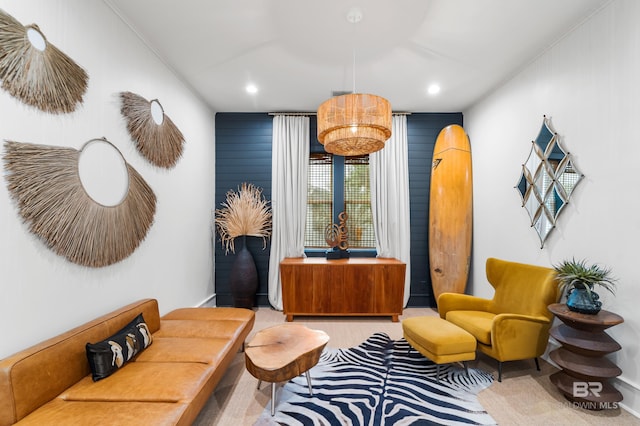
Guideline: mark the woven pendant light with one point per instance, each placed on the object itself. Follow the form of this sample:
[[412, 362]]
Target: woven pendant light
[[355, 123]]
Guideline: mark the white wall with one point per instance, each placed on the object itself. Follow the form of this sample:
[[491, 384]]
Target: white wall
[[589, 84], [41, 293]]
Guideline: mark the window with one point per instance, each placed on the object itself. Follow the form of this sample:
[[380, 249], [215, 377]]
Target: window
[[357, 202], [342, 182], [319, 199]]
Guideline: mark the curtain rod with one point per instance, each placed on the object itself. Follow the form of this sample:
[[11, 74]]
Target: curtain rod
[[292, 113], [313, 113]]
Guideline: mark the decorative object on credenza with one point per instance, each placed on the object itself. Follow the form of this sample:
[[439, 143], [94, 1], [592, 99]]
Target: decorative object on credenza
[[37, 72], [577, 281], [157, 138], [548, 178], [45, 183], [337, 237], [244, 213]]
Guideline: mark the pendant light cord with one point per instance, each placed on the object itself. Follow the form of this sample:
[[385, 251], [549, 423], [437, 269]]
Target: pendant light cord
[[354, 17], [354, 69]]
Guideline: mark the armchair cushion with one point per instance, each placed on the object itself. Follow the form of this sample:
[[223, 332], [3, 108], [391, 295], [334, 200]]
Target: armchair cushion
[[477, 323], [461, 302], [521, 288]]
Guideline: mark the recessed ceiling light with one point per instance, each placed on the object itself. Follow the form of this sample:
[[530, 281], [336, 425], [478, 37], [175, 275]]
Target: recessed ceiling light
[[251, 88], [433, 89]]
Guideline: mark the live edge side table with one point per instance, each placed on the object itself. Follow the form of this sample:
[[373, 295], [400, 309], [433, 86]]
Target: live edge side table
[[585, 370]]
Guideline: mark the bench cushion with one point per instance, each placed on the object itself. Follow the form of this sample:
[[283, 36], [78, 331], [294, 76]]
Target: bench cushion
[[190, 349], [144, 382], [112, 413]]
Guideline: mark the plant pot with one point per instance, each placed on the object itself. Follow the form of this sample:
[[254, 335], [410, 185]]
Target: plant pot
[[244, 278], [579, 300]]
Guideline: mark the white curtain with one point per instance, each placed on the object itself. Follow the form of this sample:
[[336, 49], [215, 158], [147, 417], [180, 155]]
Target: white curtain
[[389, 178], [290, 161]]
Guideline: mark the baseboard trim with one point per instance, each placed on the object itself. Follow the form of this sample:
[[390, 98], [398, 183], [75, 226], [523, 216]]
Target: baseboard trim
[[630, 394], [209, 301]]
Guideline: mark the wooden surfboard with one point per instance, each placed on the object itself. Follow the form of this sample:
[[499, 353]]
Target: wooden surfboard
[[450, 212]]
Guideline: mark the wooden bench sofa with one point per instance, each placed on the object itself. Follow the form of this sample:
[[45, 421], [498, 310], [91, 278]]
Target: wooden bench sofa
[[166, 383]]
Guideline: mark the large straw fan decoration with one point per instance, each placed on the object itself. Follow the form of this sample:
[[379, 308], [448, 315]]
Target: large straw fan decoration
[[155, 135], [45, 183], [37, 72]]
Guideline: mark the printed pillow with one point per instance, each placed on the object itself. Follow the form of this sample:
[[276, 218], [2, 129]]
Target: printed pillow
[[107, 356]]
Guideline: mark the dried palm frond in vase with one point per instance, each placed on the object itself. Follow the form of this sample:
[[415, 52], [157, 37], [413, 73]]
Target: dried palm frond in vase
[[160, 143], [37, 72], [245, 212]]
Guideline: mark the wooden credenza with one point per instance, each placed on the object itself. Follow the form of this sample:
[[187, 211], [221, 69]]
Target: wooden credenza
[[342, 287]]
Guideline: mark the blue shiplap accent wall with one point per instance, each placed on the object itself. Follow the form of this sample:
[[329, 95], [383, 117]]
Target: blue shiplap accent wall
[[243, 154], [422, 132]]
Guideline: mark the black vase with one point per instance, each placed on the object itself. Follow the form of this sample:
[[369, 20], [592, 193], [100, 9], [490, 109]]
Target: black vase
[[244, 277]]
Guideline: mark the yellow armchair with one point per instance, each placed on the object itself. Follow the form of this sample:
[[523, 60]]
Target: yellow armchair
[[515, 324]]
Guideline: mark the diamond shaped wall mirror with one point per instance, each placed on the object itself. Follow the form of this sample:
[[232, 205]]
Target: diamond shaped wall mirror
[[547, 181]]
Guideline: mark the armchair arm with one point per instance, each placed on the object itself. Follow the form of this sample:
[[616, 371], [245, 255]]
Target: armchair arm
[[515, 336], [461, 302]]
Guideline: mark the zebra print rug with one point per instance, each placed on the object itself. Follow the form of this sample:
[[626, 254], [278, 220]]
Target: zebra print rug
[[380, 382]]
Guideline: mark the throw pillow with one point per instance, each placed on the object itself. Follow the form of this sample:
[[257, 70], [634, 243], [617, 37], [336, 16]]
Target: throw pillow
[[107, 356]]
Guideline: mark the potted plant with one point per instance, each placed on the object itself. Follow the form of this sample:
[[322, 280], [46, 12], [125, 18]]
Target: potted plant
[[244, 213], [577, 281]]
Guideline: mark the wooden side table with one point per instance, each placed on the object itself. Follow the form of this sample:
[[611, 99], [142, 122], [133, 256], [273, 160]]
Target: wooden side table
[[585, 370], [282, 352]]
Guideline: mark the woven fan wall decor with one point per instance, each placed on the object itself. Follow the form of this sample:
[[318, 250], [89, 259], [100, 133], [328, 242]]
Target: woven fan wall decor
[[45, 183], [158, 140], [37, 72]]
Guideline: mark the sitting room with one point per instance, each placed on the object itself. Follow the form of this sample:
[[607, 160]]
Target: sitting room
[[296, 212]]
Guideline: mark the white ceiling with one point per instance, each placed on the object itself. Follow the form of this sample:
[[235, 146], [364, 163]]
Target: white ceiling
[[297, 52]]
